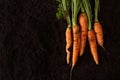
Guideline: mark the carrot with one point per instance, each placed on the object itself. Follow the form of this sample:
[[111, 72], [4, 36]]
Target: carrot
[[68, 43], [75, 7], [99, 33], [76, 46], [97, 26], [83, 36], [93, 45]]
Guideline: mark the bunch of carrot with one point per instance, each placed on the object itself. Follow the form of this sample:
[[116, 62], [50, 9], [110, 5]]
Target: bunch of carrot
[[82, 24]]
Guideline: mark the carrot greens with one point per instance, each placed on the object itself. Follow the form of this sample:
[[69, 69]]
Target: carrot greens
[[96, 9], [88, 11], [76, 4], [63, 11]]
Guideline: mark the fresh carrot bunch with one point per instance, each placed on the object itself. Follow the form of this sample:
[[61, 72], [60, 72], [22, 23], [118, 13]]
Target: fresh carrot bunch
[[81, 27]]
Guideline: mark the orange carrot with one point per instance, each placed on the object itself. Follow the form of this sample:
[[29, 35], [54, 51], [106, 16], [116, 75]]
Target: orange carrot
[[68, 43], [93, 45], [99, 33], [83, 36], [76, 44]]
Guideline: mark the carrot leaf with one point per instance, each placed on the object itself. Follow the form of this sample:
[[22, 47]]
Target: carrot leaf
[[63, 10]]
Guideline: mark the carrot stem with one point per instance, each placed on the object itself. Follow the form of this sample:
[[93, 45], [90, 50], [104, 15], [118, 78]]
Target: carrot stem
[[88, 11], [82, 8], [68, 21], [96, 10], [75, 6]]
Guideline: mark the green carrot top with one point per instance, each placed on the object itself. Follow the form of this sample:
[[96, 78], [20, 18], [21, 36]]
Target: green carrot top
[[63, 10], [75, 6], [96, 9], [87, 8]]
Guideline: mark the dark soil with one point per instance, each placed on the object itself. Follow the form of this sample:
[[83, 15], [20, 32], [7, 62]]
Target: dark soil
[[32, 43]]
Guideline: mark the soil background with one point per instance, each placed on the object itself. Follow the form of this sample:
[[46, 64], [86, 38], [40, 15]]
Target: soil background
[[32, 43]]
